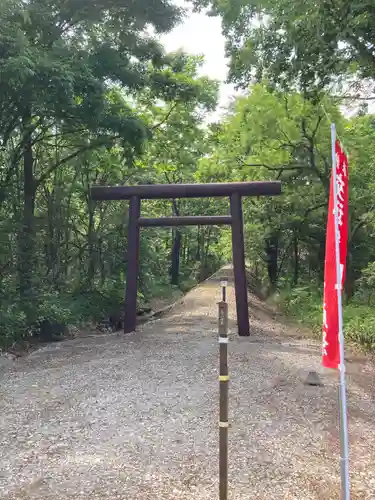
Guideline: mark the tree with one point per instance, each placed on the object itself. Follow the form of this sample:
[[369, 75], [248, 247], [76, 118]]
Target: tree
[[277, 135], [305, 43], [69, 72], [272, 135], [178, 143], [359, 138], [72, 267]]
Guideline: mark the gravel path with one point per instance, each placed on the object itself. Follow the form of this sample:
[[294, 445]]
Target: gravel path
[[135, 417]]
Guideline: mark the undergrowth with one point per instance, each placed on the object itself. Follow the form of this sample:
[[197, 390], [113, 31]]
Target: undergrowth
[[305, 305], [74, 307]]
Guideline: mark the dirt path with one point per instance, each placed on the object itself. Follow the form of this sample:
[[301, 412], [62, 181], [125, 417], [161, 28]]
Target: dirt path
[[135, 417]]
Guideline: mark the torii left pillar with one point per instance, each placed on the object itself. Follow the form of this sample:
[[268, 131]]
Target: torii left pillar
[[132, 264]]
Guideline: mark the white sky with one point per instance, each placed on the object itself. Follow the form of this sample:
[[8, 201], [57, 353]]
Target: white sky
[[201, 35]]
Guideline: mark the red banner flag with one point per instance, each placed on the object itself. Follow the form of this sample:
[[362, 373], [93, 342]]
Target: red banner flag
[[331, 351]]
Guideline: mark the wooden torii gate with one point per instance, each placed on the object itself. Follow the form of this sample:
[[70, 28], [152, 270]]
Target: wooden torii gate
[[234, 190]]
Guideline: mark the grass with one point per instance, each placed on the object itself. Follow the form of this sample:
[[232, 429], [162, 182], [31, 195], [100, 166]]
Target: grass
[[305, 305]]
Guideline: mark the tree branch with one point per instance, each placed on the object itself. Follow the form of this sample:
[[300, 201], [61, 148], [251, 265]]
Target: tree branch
[[296, 231], [361, 222], [174, 202], [276, 169], [88, 147], [354, 97], [172, 108], [311, 151]]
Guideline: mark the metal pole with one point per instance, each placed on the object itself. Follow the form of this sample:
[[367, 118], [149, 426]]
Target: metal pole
[[344, 441], [223, 383]]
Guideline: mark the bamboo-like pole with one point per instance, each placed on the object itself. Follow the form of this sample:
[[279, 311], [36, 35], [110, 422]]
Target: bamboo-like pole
[[223, 383]]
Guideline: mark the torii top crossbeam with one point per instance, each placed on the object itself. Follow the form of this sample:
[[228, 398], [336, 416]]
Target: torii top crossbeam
[[157, 191]]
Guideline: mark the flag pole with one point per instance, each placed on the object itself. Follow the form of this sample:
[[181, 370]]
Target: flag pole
[[344, 441]]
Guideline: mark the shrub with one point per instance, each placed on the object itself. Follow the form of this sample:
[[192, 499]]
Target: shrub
[[366, 284], [305, 305], [359, 324], [13, 324], [55, 308]]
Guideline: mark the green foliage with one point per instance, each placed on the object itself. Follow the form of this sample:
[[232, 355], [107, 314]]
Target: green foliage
[[305, 43], [89, 96], [366, 284], [51, 307], [359, 323], [13, 324], [304, 304], [271, 135]]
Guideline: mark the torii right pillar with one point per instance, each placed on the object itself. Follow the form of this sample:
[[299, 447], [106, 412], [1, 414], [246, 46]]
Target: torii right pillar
[[239, 270]]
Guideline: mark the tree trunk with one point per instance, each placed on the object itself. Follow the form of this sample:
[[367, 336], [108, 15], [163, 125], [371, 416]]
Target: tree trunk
[[256, 271], [321, 258], [91, 237], [205, 249], [54, 235], [175, 257], [184, 246], [26, 250], [207, 245], [272, 250], [296, 260], [351, 276], [176, 249], [66, 260], [198, 252], [50, 235]]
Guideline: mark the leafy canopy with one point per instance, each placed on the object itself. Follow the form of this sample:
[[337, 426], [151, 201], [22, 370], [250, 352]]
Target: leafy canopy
[[78, 64], [307, 43]]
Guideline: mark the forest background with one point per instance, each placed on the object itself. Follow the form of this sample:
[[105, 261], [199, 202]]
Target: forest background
[[88, 95]]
